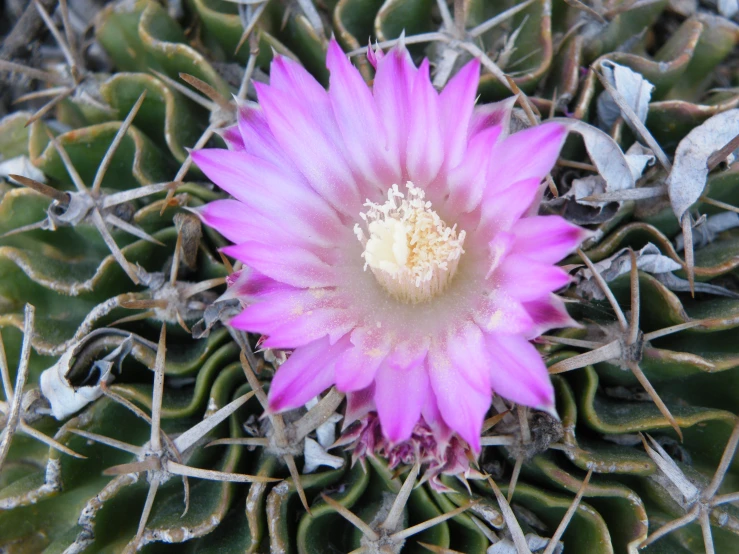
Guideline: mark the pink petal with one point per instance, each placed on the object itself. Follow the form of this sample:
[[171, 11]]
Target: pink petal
[[293, 265], [399, 396], [311, 147], [285, 305], [257, 137], [269, 189], [307, 372], [358, 404], [227, 217], [357, 368], [502, 209], [409, 352], [310, 326], [527, 280], [462, 402], [392, 89], [499, 248], [374, 55], [466, 351], [492, 115], [457, 102], [548, 313], [425, 147], [500, 312], [242, 175], [467, 181], [232, 138], [432, 416], [518, 373], [288, 75], [547, 238], [234, 221], [359, 121], [527, 154], [250, 285]]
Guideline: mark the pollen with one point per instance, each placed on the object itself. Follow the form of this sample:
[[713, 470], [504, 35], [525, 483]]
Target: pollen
[[409, 248]]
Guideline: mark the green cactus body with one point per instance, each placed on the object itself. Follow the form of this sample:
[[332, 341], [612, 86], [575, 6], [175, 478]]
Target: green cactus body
[[92, 321]]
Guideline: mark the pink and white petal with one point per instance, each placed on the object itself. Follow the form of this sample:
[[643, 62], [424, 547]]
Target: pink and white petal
[[547, 238], [313, 150], [462, 404], [276, 306], [374, 55], [498, 249], [527, 280], [408, 352], [249, 285], [292, 265], [288, 76], [232, 138], [357, 368], [491, 115], [312, 325], [228, 217], [400, 394], [548, 313], [359, 121], [457, 102], [498, 312], [432, 416], [308, 371], [425, 146], [258, 317], [466, 351], [467, 180], [527, 154], [392, 91], [518, 373], [501, 210], [256, 135], [269, 189], [243, 176], [237, 223]]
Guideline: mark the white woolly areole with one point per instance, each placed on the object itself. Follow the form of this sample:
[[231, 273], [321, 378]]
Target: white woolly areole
[[411, 250]]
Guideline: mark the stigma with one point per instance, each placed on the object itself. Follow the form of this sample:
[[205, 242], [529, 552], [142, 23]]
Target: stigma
[[408, 247]]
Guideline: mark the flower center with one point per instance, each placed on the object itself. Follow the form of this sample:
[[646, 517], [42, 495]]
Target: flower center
[[411, 251]]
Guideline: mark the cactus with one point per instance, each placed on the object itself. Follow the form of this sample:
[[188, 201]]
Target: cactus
[[135, 419]]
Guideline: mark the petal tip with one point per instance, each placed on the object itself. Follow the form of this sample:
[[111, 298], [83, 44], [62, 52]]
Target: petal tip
[[550, 409]]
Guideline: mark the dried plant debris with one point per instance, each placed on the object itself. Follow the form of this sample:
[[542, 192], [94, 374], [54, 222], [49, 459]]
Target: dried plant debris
[[728, 8], [706, 229], [20, 165], [69, 388], [597, 192], [632, 86], [649, 260], [687, 181]]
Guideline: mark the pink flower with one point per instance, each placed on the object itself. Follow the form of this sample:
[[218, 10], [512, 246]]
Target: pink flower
[[387, 242], [365, 439]]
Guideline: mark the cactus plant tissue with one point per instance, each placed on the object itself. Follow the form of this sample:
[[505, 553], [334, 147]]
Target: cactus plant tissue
[[369, 276]]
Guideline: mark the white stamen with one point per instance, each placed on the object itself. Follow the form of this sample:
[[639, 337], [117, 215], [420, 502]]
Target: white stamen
[[410, 250]]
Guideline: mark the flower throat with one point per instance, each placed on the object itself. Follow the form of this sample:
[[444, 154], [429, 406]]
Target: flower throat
[[410, 250]]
